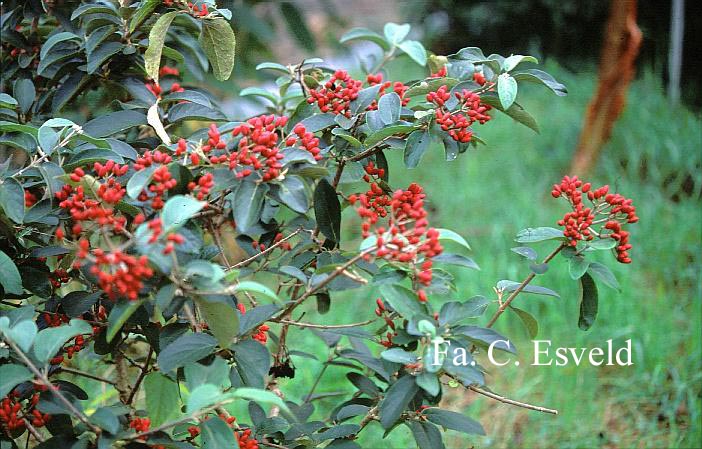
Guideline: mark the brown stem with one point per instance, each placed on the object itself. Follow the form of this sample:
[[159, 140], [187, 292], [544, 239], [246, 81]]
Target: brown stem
[[76, 372], [248, 261], [35, 433], [322, 326], [521, 287], [505, 400], [142, 374]]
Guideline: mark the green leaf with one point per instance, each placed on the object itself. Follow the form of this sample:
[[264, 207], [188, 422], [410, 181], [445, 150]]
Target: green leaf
[[327, 210], [426, 435], [456, 259], [253, 361], [402, 300], [364, 34], [429, 383], [11, 376], [292, 193], [259, 92], [218, 40], [577, 266], [203, 396], [56, 39], [453, 312], [532, 235], [396, 400], [119, 315], [389, 107], [185, 349], [604, 274], [541, 77], [532, 326], [162, 398], [49, 341], [216, 434], [297, 25], [516, 111], [109, 124], [454, 421], [157, 38], [248, 204], [255, 288], [506, 90], [588, 302], [12, 199], [22, 333], [178, 210], [97, 57], [386, 132], [194, 111], [146, 8], [395, 33], [414, 50], [25, 93], [417, 144], [7, 101], [510, 286], [273, 66], [262, 396], [222, 320], [139, 180], [318, 122], [485, 335], [398, 355], [106, 419], [447, 234], [514, 60]]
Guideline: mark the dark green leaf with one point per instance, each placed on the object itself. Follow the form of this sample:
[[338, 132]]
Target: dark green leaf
[[486, 336], [252, 362], [588, 302], [396, 400], [426, 435], [248, 204], [327, 210], [539, 76], [101, 54], [216, 434], [12, 199], [389, 107], [532, 235], [318, 122], [221, 319], [185, 349], [11, 376], [119, 315], [193, 111], [402, 300], [49, 341], [297, 25], [456, 259], [417, 144], [454, 421], [510, 286], [178, 210], [25, 94], [577, 266], [109, 124]]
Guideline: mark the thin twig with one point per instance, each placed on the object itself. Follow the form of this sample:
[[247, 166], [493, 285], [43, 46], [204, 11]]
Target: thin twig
[[327, 280], [322, 326], [521, 287], [142, 374], [246, 262], [47, 383], [35, 433], [76, 372], [505, 400]]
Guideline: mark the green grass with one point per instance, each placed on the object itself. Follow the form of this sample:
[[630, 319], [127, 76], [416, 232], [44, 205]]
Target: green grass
[[488, 195]]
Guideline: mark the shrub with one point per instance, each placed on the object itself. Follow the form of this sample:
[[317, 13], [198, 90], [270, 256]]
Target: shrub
[[181, 257]]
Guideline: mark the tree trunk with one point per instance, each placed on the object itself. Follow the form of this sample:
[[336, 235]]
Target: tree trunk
[[677, 26], [620, 48]]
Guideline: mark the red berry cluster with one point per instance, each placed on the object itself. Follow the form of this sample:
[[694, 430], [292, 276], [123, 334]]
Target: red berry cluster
[[458, 122], [442, 72], [140, 424], [119, 274], [407, 239], [381, 311], [258, 148], [202, 187], [260, 336], [12, 416], [397, 87], [200, 11], [30, 199], [336, 95], [161, 181], [58, 277], [608, 211], [245, 441], [89, 211]]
